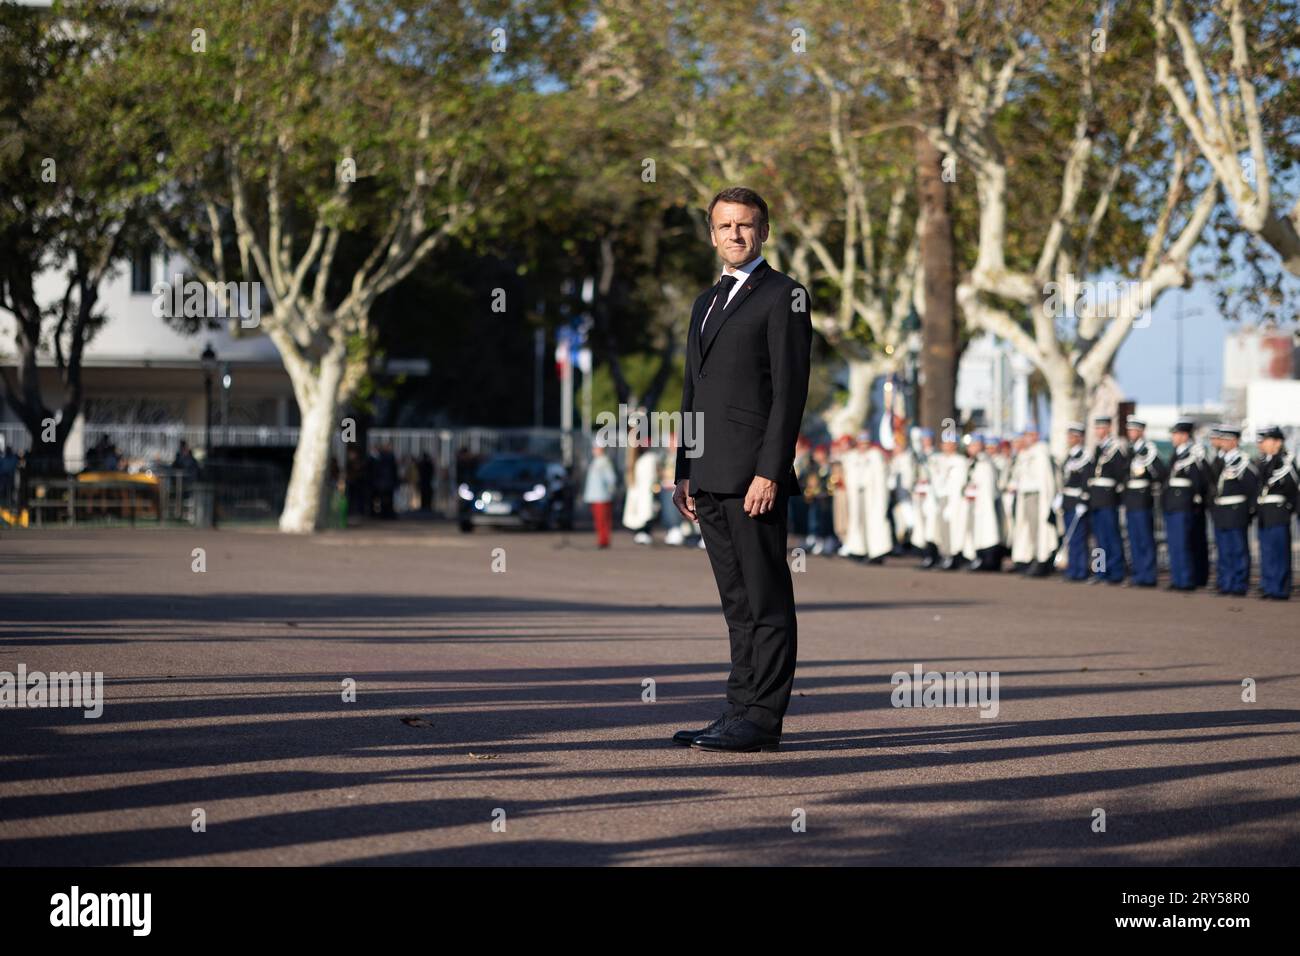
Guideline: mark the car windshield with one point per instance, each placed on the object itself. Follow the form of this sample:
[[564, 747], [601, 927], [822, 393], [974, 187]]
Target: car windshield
[[513, 470]]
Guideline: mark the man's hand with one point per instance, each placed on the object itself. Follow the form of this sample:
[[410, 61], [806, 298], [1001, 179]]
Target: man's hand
[[685, 503], [761, 496]]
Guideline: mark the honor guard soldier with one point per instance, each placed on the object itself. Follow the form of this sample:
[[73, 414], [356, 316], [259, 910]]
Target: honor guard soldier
[[1186, 489], [1146, 472], [1234, 498], [1073, 505], [979, 510], [925, 501], [1034, 538], [1105, 486], [1279, 485], [1201, 516]]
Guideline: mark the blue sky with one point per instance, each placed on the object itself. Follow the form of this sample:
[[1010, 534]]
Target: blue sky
[[1145, 366]]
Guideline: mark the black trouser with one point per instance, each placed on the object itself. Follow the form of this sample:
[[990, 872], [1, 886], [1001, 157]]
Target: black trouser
[[749, 562]]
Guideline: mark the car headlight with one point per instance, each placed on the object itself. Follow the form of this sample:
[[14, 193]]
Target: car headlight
[[537, 494], [465, 493]]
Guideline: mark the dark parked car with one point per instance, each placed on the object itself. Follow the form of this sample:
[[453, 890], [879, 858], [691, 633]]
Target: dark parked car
[[515, 489]]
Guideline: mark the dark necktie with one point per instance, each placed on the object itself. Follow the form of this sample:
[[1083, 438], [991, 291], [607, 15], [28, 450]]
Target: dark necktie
[[724, 292]]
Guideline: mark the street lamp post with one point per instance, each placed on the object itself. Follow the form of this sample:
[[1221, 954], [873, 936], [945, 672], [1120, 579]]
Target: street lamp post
[[226, 382], [1179, 315], [209, 361]]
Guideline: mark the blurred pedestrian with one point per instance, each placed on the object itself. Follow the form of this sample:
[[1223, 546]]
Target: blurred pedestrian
[[8, 476], [598, 493], [639, 505], [425, 480], [817, 493], [385, 479], [675, 524], [354, 475], [185, 463]]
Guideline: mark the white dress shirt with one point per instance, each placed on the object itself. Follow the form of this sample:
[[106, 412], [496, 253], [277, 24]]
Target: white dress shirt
[[741, 274]]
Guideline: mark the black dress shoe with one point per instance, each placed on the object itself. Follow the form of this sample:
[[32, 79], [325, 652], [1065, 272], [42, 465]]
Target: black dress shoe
[[687, 737], [739, 736]]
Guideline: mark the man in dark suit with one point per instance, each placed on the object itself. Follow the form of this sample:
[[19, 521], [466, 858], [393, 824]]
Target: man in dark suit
[[747, 364]]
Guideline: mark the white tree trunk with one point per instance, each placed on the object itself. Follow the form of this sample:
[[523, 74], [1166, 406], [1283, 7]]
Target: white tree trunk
[[1069, 403], [318, 406], [849, 418]]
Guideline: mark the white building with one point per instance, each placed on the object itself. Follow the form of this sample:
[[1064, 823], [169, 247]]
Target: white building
[[993, 386], [1260, 386], [139, 370]]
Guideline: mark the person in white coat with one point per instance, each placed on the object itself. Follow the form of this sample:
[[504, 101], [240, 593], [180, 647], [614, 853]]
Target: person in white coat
[[923, 499], [947, 482], [1034, 537], [880, 537], [902, 479], [639, 505], [1002, 452], [853, 475], [978, 512]]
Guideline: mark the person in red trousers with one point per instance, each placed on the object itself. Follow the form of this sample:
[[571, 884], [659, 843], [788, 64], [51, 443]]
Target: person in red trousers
[[599, 493]]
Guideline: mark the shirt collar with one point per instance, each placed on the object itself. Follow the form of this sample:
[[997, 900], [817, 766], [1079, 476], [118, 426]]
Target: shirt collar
[[742, 272]]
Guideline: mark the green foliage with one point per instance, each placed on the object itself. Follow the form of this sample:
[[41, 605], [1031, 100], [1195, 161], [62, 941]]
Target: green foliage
[[640, 369]]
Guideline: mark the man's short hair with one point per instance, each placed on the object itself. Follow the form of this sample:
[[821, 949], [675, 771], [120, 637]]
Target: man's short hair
[[744, 196]]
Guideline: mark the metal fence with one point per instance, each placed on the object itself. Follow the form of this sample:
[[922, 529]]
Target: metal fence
[[255, 493]]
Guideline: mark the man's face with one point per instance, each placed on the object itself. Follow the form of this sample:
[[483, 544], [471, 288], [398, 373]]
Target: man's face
[[1101, 432], [949, 447], [1073, 439], [737, 233], [1270, 446], [1135, 434], [1179, 438]]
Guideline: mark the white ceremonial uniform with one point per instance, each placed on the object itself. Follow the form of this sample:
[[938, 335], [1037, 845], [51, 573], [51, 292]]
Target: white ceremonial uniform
[[922, 501], [1034, 537], [853, 472], [954, 504], [902, 477], [978, 510], [879, 540]]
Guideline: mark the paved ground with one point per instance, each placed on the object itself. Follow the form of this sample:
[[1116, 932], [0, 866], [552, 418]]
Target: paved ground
[[224, 693]]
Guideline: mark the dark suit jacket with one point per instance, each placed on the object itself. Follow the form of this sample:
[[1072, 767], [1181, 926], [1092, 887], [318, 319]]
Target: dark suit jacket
[[747, 378]]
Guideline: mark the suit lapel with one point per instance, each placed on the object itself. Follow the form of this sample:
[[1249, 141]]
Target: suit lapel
[[693, 333], [719, 318]]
